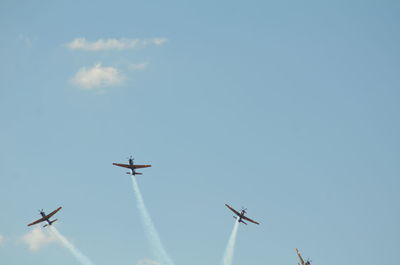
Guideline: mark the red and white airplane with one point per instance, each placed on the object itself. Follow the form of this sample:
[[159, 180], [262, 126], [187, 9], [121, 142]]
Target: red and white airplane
[[131, 166], [241, 215], [46, 217]]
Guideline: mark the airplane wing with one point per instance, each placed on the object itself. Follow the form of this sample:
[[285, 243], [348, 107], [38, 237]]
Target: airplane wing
[[122, 165], [141, 166], [38, 221], [53, 213], [248, 219], [131, 166], [300, 257], [233, 210]]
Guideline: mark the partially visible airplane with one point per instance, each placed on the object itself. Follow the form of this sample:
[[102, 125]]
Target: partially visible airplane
[[307, 262], [132, 167], [241, 215], [46, 217]]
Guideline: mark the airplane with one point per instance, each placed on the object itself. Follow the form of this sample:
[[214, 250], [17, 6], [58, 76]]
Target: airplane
[[46, 217], [132, 167], [241, 215], [308, 262]]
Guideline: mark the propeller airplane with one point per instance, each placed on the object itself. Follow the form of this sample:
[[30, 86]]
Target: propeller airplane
[[46, 217], [131, 166], [241, 215]]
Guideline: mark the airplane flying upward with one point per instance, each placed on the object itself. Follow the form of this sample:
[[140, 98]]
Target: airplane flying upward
[[307, 262], [132, 167], [241, 215], [46, 217]]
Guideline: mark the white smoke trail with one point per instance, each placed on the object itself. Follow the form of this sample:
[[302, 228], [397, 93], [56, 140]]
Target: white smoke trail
[[151, 231], [77, 254], [230, 248]]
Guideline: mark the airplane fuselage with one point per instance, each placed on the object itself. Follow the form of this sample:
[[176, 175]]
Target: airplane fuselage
[[47, 219], [240, 217], [132, 169]]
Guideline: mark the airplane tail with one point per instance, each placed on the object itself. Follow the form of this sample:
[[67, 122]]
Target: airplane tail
[[136, 173], [51, 222], [239, 220]]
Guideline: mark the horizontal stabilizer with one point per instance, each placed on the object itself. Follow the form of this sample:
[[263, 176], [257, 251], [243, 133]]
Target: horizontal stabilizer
[[51, 222]]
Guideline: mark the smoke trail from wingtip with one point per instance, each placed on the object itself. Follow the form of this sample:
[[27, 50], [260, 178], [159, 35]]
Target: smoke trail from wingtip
[[230, 248], [77, 254], [151, 231]]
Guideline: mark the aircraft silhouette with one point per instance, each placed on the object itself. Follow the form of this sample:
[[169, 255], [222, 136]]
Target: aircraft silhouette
[[131, 166]]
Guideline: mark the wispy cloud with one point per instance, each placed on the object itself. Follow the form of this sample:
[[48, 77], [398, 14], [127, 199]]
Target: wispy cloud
[[25, 40], [37, 238], [148, 262], [138, 66], [97, 77], [113, 44], [2, 239]]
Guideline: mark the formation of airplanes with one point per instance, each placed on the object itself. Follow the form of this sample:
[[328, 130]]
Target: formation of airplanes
[[239, 216]]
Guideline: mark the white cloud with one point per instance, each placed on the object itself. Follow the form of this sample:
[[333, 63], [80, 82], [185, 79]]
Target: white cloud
[[97, 77], [37, 238], [138, 66], [2, 239], [113, 44], [148, 262]]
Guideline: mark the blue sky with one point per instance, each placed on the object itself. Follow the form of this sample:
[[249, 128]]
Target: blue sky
[[289, 109]]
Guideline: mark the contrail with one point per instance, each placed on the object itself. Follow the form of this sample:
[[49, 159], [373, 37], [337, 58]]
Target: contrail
[[230, 248], [151, 231], [77, 254]]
